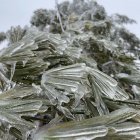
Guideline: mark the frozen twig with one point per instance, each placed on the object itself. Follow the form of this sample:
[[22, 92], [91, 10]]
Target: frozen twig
[[59, 16]]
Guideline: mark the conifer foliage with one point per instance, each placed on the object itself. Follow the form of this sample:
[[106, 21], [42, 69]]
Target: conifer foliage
[[72, 75]]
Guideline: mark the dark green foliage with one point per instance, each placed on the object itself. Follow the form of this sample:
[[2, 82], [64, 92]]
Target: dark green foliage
[[2, 36], [122, 19], [41, 18]]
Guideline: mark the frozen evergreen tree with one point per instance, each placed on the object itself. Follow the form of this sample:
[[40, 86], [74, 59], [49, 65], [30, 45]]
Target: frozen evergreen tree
[[2, 36], [72, 75]]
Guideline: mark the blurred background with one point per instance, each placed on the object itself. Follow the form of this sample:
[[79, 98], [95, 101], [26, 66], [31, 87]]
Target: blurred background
[[19, 12]]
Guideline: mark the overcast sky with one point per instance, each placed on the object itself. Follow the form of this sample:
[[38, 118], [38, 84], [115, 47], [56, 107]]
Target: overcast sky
[[18, 12]]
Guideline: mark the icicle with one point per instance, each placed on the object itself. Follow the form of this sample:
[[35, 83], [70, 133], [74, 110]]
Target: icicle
[[74, 52], [59, 17], [6, 81], [24, 62], [17, 48], [37, 89], [13, 66], [136, 91]]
